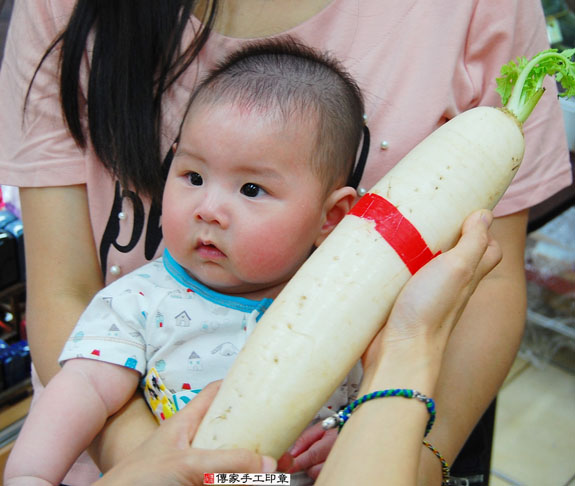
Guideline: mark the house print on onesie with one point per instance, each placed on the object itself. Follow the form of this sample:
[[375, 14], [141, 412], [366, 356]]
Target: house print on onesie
[[183, 319], [195, 362], [114, 331]]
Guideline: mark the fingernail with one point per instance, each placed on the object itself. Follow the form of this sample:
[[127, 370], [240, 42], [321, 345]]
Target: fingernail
[[285, 462], [268, 464]]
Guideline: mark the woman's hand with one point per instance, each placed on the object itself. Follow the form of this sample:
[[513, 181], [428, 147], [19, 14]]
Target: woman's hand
[[168, 459], [428, 307], [309, 451]]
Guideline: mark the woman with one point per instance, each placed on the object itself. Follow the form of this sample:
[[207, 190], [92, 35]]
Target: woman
[[418, 63]]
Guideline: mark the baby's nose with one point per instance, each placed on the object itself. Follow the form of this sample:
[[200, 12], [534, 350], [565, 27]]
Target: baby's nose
[[213, 209]]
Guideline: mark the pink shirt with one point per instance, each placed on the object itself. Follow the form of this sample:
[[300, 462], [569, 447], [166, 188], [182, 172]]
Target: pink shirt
[[418, 64]]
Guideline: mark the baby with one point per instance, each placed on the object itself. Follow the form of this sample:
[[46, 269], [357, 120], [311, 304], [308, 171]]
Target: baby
[[259, 178]]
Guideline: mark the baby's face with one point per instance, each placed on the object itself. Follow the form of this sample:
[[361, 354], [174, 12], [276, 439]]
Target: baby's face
[[242, 208]]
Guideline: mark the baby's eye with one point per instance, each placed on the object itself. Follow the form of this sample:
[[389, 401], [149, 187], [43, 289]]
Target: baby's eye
[[195, 179], [251, 190]]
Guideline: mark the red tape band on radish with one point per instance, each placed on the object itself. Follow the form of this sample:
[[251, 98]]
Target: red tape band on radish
[[401, 235]]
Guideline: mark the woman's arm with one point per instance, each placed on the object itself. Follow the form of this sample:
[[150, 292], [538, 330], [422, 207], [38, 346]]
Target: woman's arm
[[63, 274], [482, 348], [407, 353], [66, 418], [62, 269], [381, 441]]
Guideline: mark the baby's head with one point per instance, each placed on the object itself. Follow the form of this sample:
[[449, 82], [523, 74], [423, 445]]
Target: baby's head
[[292, 84], [259, 176]]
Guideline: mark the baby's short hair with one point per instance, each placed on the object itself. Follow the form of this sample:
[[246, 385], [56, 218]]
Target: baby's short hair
[[290, 80]]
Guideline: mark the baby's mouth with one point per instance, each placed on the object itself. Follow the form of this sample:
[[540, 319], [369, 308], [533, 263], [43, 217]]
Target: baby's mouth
[[209, 250]]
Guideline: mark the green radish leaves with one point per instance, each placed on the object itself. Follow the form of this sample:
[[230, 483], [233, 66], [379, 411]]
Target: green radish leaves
[[521, 81], [509, 74]]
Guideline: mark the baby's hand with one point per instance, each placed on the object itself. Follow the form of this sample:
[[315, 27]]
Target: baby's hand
[[309, 451]]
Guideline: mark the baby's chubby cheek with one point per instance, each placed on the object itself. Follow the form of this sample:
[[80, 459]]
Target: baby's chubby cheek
[[172, 228], [271, 260]]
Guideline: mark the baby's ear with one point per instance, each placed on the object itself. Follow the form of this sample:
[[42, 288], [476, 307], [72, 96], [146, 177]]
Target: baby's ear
[[336, 206]]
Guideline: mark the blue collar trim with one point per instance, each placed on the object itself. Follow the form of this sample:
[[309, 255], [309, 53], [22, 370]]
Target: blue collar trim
[[230, 301]]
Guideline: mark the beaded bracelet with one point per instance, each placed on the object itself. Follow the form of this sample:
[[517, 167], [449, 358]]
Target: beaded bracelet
[[340, 418], [445, 469]]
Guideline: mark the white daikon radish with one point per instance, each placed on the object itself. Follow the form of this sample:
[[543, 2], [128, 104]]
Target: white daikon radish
[[323, 320]]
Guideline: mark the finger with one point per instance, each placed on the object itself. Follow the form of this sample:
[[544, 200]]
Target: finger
[[464, 257], [285, 462], [204, 399], [307, 438], [313, 472], [475, 237], [316, 454], [478, 247], [476, 253], [491, 257]]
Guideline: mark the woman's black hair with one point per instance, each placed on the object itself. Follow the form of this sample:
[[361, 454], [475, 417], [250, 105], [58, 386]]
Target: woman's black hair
[[137, 55]]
